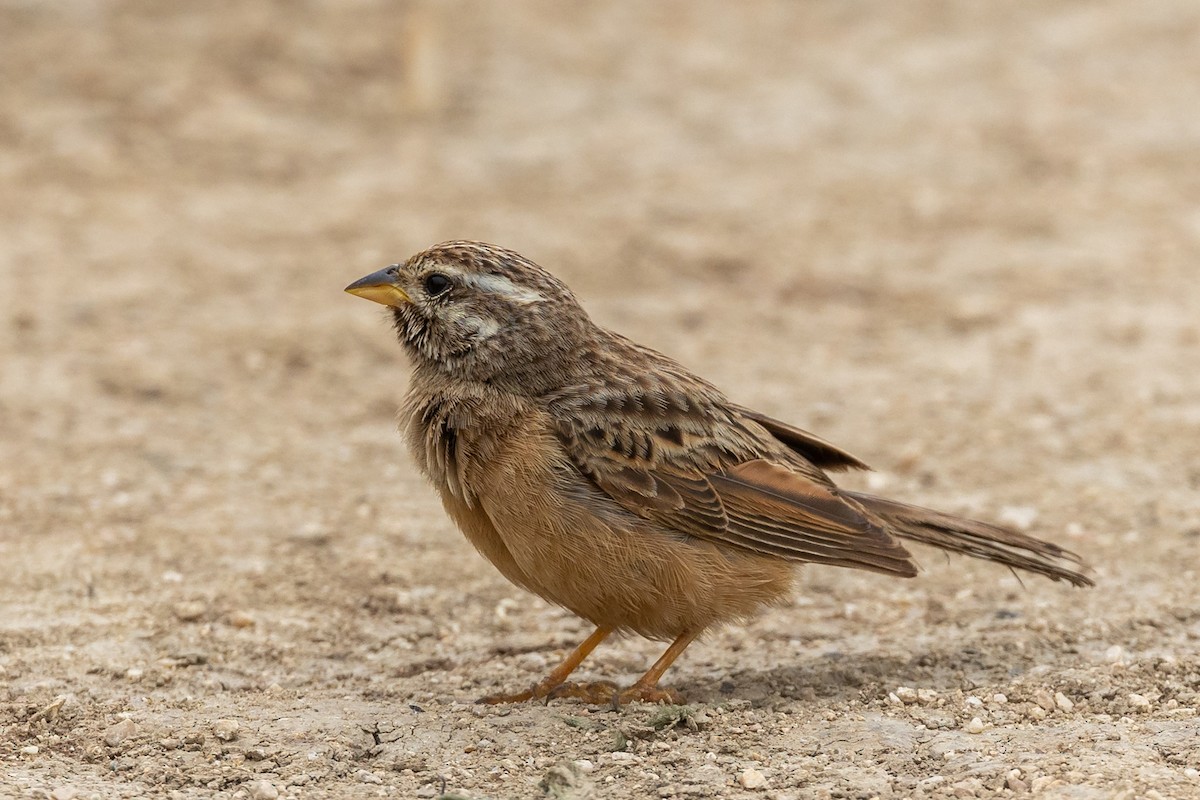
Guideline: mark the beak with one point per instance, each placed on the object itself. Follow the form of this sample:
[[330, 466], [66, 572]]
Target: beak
[[380, 287]]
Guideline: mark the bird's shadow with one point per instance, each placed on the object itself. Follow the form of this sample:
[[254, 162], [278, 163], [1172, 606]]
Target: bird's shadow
[[836, 676]]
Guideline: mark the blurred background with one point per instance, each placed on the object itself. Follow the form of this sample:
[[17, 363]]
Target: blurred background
[[791, 194], [959, 239]]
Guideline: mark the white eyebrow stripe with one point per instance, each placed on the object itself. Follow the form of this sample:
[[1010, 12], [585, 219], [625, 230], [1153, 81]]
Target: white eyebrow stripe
[[498, 284]]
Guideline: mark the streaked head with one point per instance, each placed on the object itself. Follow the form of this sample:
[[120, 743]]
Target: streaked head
[[477, 311]]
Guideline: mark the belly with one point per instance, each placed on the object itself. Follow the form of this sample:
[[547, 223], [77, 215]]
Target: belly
[[549, 530]]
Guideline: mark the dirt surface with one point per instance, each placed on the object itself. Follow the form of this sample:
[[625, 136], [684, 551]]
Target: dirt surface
[[960, 240]]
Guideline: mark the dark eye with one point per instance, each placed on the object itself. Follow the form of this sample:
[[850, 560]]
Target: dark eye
[[436, 283]]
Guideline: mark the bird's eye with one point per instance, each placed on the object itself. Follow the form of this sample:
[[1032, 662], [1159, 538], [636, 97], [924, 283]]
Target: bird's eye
[[436, 283]]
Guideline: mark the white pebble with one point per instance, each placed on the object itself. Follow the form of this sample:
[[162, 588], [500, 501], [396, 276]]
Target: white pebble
[[752, 779], [189, 610], [1040, 783], [1138, 701], [1020, 517], [1063, 702], [30, 750], [366, 776], [120, 732], [999, 699], [907, 695], [584, 766], [262, 790], [226, 729], [975, 725]]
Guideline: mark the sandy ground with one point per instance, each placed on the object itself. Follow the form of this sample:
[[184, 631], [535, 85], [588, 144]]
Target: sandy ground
[[961, 240]]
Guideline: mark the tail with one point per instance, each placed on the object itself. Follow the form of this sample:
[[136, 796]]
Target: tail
[[979, 539]]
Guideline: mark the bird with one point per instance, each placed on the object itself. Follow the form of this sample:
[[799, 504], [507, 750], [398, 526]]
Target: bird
[[606, 478]]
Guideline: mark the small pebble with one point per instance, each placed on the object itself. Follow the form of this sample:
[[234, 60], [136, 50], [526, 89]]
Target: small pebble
[[584, 766], [975, 725], [1044, 699], [226, 729], [1020, 517], [622, 756], [752, 779], [907, 695], [366, 776], [1063, 702], [1042, 782], [30, 750], [240, 619], [1015, 784], [64, 793], [1037, 712], [262, 790], [927, 696], [1138, 701], [1114, 654], [120, 732], [189, 610], [999, 698]]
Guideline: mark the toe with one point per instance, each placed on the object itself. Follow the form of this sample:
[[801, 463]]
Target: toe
[[596, 693], [501, 699], [651, 694]]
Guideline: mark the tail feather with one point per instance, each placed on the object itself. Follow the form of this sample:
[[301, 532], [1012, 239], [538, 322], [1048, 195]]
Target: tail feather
[[977, 539]]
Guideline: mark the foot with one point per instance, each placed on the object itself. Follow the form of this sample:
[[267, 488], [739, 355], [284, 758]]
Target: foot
[[597, 693], [651, 694], [605, 693]]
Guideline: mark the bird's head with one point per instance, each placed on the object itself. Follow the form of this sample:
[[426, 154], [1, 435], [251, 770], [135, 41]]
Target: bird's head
[[478, 312]]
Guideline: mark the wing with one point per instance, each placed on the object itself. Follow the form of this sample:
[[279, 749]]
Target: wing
[[810, 446], [696, 465]]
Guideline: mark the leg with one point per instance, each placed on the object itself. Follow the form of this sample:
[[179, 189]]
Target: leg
[[646, 688], [556, 678]]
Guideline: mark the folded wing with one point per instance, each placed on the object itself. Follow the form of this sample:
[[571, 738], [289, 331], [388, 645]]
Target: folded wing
[[706, 473]]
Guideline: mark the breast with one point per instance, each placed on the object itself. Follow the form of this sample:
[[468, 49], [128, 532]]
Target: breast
[[506, 482], [452, 439]]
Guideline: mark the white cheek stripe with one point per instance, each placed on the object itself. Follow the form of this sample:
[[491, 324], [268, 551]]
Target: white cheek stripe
[[484, 327], [500, 285]]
